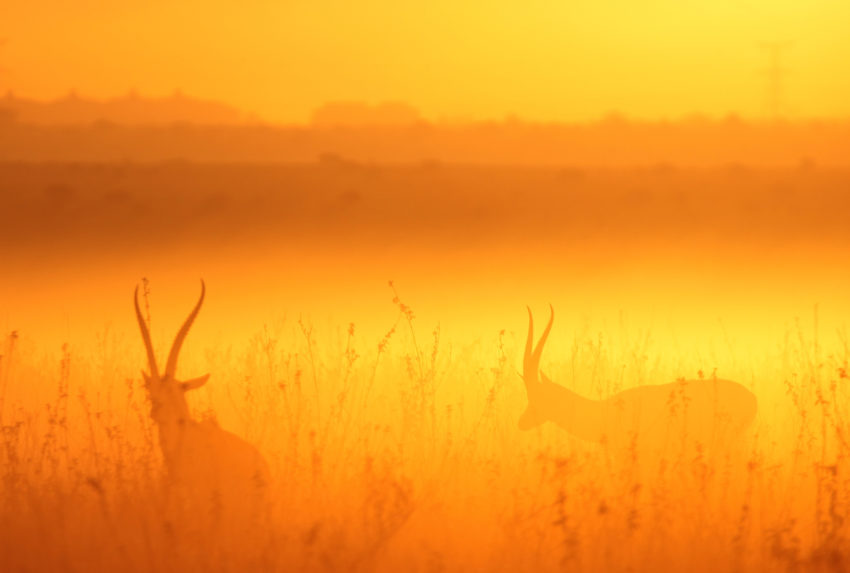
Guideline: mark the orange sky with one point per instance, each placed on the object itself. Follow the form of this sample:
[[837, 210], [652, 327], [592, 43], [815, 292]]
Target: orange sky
[[540, 59]]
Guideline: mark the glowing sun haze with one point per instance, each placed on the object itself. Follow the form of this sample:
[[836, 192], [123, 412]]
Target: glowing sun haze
[[540, 59]]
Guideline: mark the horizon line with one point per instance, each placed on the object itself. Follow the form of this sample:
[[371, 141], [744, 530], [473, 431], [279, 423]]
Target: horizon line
[[248, 118]]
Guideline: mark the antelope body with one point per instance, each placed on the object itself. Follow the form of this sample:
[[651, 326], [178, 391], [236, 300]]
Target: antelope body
[[709, 412], [209, 470]]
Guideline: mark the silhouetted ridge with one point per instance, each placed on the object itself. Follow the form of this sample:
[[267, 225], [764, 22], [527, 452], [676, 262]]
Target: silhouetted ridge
[[358, 114], [131, 109]]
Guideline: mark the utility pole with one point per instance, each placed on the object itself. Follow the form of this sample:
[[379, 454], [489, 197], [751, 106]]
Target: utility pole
[[776, 73], [2, 69]]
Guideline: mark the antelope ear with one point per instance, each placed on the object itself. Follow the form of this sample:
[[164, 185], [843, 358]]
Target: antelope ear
[[194, 383]]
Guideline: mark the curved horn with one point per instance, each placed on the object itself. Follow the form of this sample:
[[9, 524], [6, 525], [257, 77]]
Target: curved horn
[[526, 359], [171, 365], [538, 350], [146, 335]]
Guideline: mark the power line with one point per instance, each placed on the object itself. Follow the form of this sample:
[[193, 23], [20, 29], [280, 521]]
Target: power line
[[776, 74], [2, 44]]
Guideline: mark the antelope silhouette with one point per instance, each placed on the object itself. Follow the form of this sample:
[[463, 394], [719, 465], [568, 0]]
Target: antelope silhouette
[[709, 412], [209, 471]]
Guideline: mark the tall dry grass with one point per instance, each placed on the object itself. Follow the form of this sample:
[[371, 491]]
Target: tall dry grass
[[403, 454]]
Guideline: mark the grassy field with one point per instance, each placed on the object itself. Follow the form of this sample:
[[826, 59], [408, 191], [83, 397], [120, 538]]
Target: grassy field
[[400, 454], [389, 415]]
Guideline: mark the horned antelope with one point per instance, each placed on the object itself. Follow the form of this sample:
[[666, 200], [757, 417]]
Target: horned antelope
[[709, 412], [208, 469]]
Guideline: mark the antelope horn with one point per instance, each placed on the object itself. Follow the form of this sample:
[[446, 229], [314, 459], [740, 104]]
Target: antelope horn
[[531, 359], [538, 350], [171, 365], [146, 336], [527, 358]]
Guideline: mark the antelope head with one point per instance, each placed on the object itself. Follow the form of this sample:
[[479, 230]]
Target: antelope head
[[167, 393], [531, 374]]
